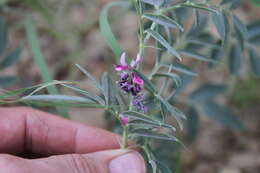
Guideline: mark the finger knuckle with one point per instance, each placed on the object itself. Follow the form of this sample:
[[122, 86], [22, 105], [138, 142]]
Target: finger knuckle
[[82, 164]]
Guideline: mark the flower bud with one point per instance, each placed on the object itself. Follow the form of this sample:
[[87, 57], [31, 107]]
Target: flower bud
[[124, 120]]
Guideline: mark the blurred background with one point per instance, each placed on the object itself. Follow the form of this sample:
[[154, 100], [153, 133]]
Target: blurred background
[[68, 33]]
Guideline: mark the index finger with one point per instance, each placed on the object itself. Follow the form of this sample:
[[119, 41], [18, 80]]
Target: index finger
[[23, 129]]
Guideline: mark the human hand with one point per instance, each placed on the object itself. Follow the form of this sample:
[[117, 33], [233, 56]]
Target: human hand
[[65, 146]]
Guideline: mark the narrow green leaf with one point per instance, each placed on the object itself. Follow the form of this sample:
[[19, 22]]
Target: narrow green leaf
[[165, 81], [64, 104], [147, 84], [233, 3], [14, 93], [186, 80], [201, 6], [218, 20], [227, 29], [110, 95], [3, 35], [136, 124], [10, 59], [205, 92], [154, 135], [147, 119], [173, 76], [39, 59], [47, 85], [253, 29], [85, 93], [163, 20], [240, 27], [162, 41], [192, 124], [32, 90], [197, 17], [105, 87], [162, 167], [150, 157], [57, 98], [225, 2], [106, 30], [154, 2], [135, 114], [204, 43], [181, 68], [222, 115], [117, 96], [254, 61], [173, 111], [92, 78], [235, 59], [255, 40], [197, 28], [170, 38], [197, 56], [163, 110], [216, 54], [240, 39]]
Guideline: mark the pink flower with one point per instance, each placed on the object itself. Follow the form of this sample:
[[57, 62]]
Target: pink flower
[[124, 120], [136, 79], [124, 65], [135, 62]]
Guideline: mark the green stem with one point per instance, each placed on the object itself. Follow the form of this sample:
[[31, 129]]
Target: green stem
[[125, 137], [138, 8]]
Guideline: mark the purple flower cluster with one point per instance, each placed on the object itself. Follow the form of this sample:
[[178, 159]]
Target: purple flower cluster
[[138, 102], [128, 85], [130, 82]]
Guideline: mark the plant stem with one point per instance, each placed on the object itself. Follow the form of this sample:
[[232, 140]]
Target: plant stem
[[125, 137], [138, 8]]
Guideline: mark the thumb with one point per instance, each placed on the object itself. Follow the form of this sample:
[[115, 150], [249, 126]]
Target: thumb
[[110, 161]]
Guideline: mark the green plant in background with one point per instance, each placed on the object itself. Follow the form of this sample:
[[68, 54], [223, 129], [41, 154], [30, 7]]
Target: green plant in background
[[256, 2], [7, 57], [142, 103], [40, 61], [246, 93]]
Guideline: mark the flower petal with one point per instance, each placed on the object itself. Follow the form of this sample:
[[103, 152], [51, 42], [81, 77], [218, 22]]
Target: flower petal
[[135, 62], [138, 58], [122, 60], [136, 79], [120, 67]]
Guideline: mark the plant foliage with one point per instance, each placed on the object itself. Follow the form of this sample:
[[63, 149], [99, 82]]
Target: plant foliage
[[143, 117]]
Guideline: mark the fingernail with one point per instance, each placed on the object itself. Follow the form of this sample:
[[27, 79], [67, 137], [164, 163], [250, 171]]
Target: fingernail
[[128, 163]]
